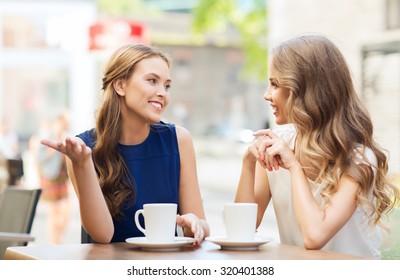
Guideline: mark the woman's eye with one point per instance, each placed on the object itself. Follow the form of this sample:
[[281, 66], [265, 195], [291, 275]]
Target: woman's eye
[[167, 87], [153, 81]]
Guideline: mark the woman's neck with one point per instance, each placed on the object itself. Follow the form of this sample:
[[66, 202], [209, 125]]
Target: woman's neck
[[134, 134]]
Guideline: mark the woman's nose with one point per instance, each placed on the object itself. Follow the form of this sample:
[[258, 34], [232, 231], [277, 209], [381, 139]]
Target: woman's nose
[[267, 95], [162, 91]]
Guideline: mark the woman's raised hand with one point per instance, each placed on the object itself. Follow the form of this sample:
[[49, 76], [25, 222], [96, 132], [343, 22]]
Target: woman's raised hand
[[75, 149]]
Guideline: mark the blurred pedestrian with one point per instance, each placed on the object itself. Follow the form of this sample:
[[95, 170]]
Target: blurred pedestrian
[[10, 157], [54, 180], [323, 170]]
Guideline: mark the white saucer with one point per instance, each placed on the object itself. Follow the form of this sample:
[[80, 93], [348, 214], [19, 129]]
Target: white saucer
[[239, 245], [178, 243]]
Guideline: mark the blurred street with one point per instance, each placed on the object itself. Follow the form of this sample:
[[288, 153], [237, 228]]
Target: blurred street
[[218, 178]]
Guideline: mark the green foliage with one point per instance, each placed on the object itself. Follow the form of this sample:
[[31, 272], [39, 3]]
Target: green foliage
[[123, 7], [248, 17], [391, 246]]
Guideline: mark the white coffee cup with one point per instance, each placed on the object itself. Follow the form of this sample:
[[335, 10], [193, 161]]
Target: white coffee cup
[[159, 222], [240, 221]]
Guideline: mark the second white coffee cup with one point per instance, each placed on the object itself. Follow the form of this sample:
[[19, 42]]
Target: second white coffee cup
[[159, 222], [240, 221]]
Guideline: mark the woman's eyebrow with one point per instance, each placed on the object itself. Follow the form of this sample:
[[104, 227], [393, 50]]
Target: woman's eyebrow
[[158, 77]]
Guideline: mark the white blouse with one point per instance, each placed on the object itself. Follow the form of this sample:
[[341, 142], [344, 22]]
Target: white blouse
[[356, 237]]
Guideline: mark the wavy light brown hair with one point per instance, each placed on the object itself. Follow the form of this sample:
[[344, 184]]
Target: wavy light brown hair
[[331, 121], [114, 177]]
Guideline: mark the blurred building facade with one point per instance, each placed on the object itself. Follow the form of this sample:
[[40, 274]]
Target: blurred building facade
[[368, 33]]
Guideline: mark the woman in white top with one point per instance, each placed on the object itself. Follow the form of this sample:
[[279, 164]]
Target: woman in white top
[[323, 170]]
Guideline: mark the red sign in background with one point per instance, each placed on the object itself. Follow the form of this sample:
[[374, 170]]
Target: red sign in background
[[112, 33]]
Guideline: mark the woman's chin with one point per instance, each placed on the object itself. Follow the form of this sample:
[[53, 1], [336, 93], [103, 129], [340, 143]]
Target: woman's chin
[[280, 122], [155, 119]]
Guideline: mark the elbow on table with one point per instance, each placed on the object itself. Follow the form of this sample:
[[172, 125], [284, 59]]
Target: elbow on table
[[103, 237], [313, 241], [103, 240]]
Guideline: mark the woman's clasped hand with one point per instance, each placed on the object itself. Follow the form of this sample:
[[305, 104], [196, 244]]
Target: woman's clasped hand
[[271, 151]]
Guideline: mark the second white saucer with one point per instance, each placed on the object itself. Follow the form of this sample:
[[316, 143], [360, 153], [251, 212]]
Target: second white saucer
[[239, 245]]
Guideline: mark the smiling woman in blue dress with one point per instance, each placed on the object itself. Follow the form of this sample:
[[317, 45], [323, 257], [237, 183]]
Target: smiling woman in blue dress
[[323, 170], [131, 157]]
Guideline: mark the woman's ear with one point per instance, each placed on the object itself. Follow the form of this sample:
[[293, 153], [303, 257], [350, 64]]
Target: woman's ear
[[119, 86]]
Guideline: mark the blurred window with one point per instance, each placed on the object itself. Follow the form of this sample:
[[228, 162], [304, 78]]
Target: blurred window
[[23, 31], [393, 14]]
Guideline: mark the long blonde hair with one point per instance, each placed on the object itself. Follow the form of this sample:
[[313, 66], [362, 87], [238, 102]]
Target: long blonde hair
[[114, 177], [331, 121]]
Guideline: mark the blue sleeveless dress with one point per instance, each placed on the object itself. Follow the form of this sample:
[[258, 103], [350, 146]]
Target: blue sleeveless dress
[[155, 167]]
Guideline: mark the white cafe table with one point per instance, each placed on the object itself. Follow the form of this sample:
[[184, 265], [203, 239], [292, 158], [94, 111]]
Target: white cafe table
[[206, 251]]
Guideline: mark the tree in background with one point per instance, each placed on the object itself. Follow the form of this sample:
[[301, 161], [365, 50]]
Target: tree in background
[[249, 17]]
